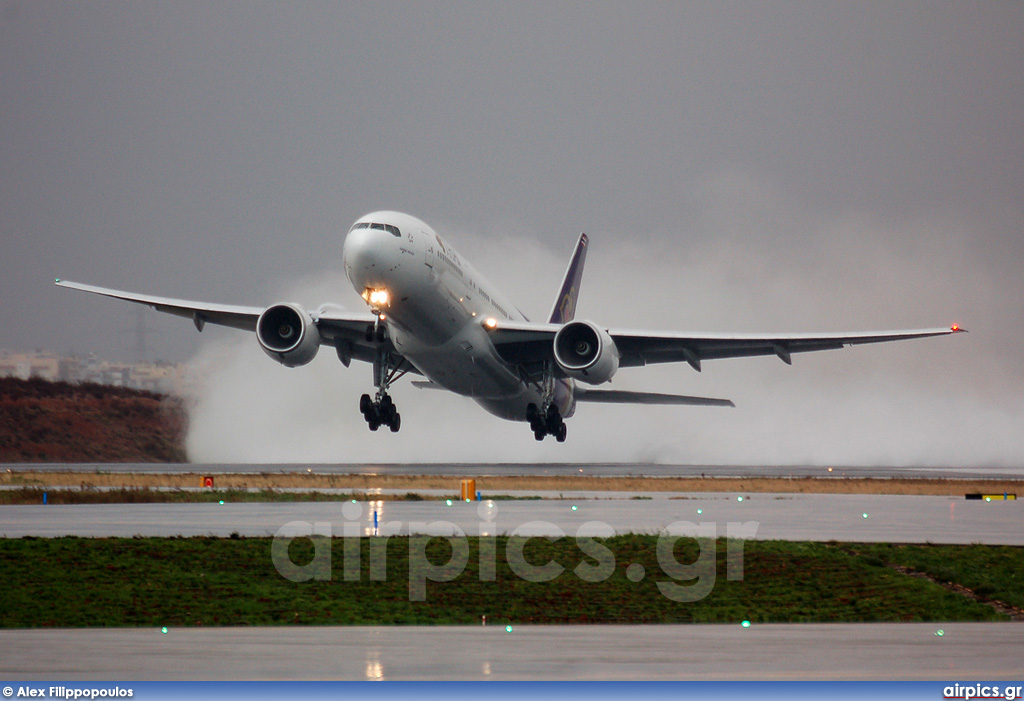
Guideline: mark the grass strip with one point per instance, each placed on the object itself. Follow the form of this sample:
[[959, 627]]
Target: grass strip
[[990, 572], [71, 582]]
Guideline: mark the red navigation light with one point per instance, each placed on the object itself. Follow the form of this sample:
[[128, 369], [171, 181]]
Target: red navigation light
[[955, 327]]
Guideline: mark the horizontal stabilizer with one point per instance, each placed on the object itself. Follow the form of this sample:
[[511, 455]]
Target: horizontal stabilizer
[[615, 396]]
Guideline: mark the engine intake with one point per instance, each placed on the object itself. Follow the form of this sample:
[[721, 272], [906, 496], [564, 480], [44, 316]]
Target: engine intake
[[586, 352], [287, 334]]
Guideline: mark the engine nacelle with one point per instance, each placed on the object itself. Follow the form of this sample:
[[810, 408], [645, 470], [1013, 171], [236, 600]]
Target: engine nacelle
[[287, 334], [586, 352]]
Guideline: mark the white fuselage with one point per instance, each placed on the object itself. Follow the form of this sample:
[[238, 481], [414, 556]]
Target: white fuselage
[[437, 304]]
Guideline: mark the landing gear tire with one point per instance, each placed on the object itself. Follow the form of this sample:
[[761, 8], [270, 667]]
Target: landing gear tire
[[546, 423], [532, 413], [380, 413]]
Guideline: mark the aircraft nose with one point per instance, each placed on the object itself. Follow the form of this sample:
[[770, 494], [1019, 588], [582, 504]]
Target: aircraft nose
[[366, 255]]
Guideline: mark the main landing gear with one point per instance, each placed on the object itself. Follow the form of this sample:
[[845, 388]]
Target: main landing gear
[[381, 411], [546, 423]]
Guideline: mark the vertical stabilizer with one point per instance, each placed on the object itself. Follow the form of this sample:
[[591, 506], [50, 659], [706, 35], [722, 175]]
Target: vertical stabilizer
[[565, 304]]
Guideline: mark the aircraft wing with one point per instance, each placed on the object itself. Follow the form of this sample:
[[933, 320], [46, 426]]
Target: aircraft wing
[[200, 312], [346, 332], [525, 342]]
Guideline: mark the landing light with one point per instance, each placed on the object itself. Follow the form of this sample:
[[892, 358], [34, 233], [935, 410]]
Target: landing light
[[378, 297], [491, 323]]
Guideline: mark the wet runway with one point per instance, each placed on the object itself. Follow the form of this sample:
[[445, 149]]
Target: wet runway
[[815, 517], [556, 469], [964, 651]]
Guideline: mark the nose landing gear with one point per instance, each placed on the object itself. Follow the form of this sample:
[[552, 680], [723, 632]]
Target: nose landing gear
[[546, 423]]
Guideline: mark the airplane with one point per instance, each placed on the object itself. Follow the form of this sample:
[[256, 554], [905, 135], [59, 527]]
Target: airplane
[[433, 315]]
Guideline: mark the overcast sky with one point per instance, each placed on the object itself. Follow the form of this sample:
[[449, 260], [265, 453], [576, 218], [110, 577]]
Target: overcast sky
[[739, 167]]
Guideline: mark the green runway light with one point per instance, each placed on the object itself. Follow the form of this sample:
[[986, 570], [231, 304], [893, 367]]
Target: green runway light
[[739, 498], [222, 502], [940, 632], [700, 511], [508, 629], [164, 630], [448, 502], [865, 515], [745, 624], [573, 507]]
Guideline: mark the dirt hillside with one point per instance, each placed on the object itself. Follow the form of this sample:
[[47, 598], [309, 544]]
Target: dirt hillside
[[44, 421]]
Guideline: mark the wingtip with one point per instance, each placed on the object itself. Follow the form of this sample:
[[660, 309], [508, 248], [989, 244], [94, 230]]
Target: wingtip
[[956, 328]]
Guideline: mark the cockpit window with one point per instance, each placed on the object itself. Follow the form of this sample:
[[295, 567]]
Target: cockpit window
[[393, 230]]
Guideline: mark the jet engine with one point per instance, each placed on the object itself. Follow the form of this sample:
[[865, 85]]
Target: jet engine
[[287, 334], [586, 352]]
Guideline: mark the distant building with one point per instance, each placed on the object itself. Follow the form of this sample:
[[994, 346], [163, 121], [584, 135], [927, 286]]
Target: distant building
[[167, 378], [25, 366]]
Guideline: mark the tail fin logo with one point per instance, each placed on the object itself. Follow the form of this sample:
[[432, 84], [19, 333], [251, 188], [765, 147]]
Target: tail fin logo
[[567, 309]]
